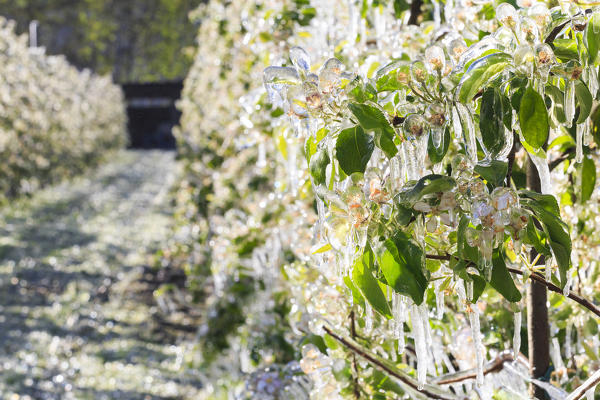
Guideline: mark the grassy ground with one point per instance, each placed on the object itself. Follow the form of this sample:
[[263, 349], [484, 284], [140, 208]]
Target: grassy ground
[[77, 315]]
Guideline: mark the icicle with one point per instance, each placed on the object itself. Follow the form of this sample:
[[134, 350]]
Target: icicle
[[567, 288], [456, 124], [476, 333], [368, 317], [436, 14], [555, 355], [399, 317], [517, 334], [439, 299], [569, 102], [541, 165], [420, 339], [262, 155], [568, 348], [579, 148], [292, 166], [486, 248], [593, 78], [424, 311], [470, 134], [321, 214], [548, 269], [395, 172], [589, 394]]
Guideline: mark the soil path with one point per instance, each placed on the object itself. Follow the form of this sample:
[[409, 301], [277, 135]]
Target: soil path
[[77, 320]]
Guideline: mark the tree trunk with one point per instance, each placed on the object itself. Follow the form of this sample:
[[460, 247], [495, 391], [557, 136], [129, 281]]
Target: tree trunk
[[538, 334]]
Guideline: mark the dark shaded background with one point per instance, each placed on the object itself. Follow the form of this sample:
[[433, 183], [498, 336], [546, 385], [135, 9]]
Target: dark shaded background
[[135, 40]]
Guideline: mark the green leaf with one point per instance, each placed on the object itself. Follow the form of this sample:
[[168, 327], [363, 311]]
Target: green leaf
[[353, 149], [436, 154], [545, 209], [537, 239], [402, 266], [588, 179], [399, 7], [584, 99], [491, 121], [318, 165], [493, 171], [533, 118], [591, 38], [558, 99], [480, 73], [463, 250], [362, 276], [427, 185], [501, 279], [565, 49], [357, 296], [479, 285], [372, 119]]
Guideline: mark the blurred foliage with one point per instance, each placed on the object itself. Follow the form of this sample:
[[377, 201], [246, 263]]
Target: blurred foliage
[[135, 40]]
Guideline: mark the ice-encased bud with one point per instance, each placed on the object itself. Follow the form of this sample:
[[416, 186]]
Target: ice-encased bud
[[503, 198], [524, 58], [544, 56], [300, 59], [436, 115], [528, 31], [507, 15], [456, 48], [281, 75], [329, 76], [313, 95], [540, 13], [415, 126], [435, 58], [418, 71], [578, 22]]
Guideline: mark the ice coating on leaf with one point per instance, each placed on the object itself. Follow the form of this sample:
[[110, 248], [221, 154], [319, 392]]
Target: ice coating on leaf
[[300, 59], [517, 317], [476, 51], [281, 75], [508, 144]]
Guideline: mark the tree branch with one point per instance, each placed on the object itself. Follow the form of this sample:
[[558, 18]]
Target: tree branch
[[555, 32], [493, 366], [591, 382], [582, 301], [415, 12], [428, 390], [538, 278]]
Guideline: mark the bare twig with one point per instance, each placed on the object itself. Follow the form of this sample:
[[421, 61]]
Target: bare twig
[[415, 12]]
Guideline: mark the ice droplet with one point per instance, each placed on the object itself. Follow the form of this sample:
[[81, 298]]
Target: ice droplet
[[517, 334], [569, 102]]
